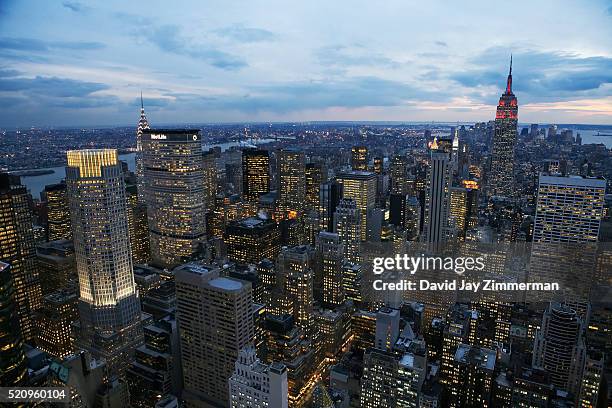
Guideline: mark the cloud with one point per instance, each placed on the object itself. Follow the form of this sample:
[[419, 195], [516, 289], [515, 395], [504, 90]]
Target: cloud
[[353, 55], [31, 44], [50, 87], [240, 33], [75, 6], [8, 73], [539, 75], [169, 38], [441, 43], [295, 96]]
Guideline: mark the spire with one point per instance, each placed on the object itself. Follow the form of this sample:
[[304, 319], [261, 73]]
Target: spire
[[143, 123], [509, 83]]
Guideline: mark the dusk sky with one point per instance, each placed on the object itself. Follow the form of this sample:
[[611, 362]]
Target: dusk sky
[[84, 63]]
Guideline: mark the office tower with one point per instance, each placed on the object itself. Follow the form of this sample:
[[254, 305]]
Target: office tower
[[250, 240], [348, 225], [534, 131], [87, 382], [397, 209], [329, 197], [463, 209], [411, 372], [412, 218], [210, 179], [334, 330], [359, 158], [295, 277], [378, 165], [174, 193], [56, 265], [255, 173], [291, 182], [233, 176], [13, 369], [143, 124], [138, 227], [399, 175], [257, 385], [54, 320], [316, 174], [559, 347], [352, 276], [387, 328], [437, 196], [569, 209], [330, 255], [472, 377], [216, 322], [363, 326], [532, 388], [360, 186], [109, 307], [501, 178], [160, 301], [17, 249], [58, 214], [379, 385], [156, 370], [592, 377], [287, 343]]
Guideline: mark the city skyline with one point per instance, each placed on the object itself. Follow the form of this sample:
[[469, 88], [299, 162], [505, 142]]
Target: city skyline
[[238, 63]]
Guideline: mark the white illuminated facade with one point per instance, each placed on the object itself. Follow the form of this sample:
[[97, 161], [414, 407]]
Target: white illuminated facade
[[257, 385], [109, 307]]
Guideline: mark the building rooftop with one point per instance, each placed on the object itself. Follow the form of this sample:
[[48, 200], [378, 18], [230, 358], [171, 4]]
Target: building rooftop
[[226, 283], [477, 356]]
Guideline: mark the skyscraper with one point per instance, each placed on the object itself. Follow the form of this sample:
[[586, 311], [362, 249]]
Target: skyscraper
[[216, 323], [174, 193], [361, 187], [257, 385], [295, 277], [329, 256], [501, 178], [569, 209], [17, 250], [559, 347], [54, 320], [143, 124], [316, 174], [13, 369], [210, 180], [437, 196], [255, 173], [359, 158], [109, 307], [58, 214], [348, 226], [291, 182], [329, 197], [138, 227], [472, 376], [252, 239]]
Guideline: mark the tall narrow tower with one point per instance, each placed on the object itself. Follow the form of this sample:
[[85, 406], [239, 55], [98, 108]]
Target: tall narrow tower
[[501, 179], [143, 124], [109, 307]]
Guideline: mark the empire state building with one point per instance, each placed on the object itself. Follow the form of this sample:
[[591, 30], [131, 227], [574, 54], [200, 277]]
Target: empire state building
[[501, 179]]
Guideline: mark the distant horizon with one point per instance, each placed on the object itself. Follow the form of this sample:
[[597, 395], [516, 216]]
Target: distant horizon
[[236, 123]]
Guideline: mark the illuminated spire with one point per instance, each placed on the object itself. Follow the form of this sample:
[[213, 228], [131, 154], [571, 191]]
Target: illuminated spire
[[143, 123], [509, 84]]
